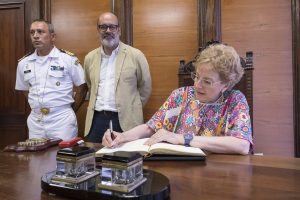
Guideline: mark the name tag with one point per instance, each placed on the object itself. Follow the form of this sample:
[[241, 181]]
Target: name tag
[[56, 68], [27, 71]]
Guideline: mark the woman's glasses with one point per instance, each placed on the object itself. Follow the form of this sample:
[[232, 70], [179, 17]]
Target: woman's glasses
[[204, 81]]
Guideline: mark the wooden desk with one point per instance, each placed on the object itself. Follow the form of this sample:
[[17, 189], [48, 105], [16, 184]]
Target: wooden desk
[[220, 177]]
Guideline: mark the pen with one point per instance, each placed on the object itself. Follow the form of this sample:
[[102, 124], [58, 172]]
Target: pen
[[111, 129]]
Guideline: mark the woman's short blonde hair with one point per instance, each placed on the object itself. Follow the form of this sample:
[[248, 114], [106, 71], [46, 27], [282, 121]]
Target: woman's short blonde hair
[[224, 60]]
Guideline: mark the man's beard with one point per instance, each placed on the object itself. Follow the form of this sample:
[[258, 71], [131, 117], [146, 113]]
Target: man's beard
[[110, 43]]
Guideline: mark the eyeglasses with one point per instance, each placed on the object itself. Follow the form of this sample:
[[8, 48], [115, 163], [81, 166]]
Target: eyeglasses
[[105, 27], [204, 82]]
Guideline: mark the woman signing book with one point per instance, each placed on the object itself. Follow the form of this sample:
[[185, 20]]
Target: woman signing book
[[209, 115]]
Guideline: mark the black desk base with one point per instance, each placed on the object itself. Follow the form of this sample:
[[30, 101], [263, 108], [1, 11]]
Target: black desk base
[[156, 187]]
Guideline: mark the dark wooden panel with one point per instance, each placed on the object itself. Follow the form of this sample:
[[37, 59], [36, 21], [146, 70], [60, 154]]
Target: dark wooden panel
[[12, 103], [296, 69], [10, 134], [32, 12], [123, 10], [209, 26], [10, 25]]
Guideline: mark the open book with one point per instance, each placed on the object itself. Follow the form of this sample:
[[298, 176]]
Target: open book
[[156, 149]]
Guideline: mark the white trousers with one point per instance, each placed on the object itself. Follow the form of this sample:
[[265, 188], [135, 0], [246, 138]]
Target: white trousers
[[59, 123]]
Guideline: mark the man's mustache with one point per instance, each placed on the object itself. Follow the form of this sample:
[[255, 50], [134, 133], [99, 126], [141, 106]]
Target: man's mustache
[[108, 35]]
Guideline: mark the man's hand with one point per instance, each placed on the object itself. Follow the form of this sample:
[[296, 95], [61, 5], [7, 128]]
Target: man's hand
[[80, 96]]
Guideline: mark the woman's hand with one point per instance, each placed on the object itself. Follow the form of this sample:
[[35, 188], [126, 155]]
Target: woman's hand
[[112, 139], [163, 135]]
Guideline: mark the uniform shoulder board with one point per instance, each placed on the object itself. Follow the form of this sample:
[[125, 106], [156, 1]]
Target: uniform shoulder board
[[28, 54], [67, 52], [71, 54]]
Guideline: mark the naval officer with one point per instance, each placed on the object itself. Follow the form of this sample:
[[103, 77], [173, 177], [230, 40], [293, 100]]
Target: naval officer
[[47, 77]]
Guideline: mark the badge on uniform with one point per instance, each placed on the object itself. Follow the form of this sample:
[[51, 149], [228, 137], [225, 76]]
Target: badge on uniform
[[27, 71], [77, 62], [45, 111], [56, 68]]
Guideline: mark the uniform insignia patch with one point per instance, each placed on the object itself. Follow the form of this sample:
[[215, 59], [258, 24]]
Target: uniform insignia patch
[[77, 62], [67, 52], [57, 68], [71, 54]]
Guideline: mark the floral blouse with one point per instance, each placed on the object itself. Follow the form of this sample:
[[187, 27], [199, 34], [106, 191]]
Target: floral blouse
[[182, 113]]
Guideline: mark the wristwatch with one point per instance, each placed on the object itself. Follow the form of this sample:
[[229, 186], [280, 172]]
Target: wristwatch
[[187, 139]]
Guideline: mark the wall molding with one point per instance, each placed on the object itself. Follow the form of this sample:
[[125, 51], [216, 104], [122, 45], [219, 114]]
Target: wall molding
[[45, 6], [296, 72], [209, 18], [123, 9]]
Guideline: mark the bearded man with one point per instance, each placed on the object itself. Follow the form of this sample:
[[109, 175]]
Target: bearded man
[[119, 82]]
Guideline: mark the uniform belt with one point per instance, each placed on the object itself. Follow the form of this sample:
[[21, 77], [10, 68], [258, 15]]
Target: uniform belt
[[47, 110], [106, 112]]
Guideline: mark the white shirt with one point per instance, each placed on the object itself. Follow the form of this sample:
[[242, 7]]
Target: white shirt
[[105, 99], [49, 79]]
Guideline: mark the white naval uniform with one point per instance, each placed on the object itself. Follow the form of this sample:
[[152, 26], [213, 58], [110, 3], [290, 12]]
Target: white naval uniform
[[49, 80]]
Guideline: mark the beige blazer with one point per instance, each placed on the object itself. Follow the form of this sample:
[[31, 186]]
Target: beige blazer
[[132, 85]]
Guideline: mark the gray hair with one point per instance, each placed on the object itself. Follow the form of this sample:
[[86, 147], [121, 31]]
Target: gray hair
[[224, 60]]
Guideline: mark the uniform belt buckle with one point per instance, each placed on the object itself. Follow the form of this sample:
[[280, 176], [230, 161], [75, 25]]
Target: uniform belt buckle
[[45, 111]]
